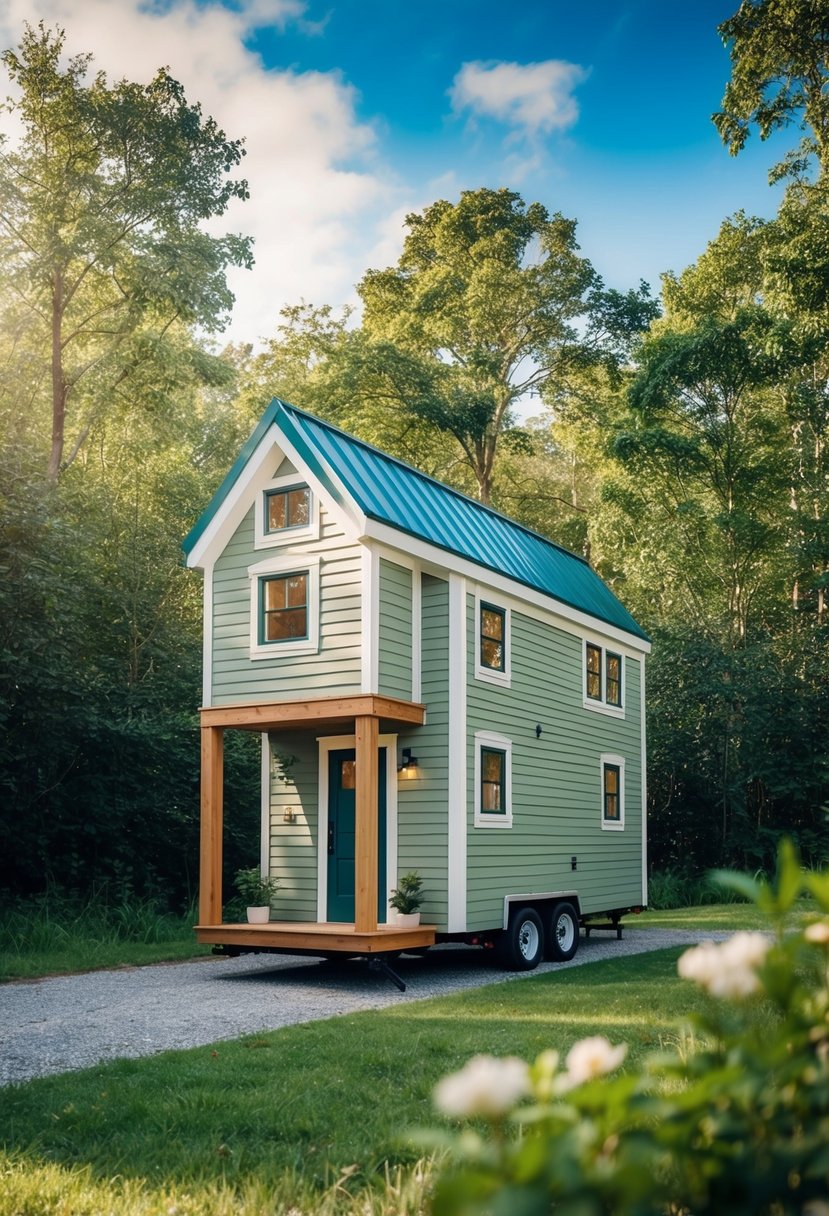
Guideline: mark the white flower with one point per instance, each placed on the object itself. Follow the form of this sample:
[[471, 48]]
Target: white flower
[[485, 1086], [589, 1058], [818, 933], [728, 970]]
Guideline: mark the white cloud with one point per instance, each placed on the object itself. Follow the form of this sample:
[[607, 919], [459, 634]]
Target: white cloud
[[534, 98], [318, 197]]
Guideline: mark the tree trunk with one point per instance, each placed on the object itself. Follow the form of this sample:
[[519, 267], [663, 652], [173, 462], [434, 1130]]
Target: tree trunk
[[59, 391]]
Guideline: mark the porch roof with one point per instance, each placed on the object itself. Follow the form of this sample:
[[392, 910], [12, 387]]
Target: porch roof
[[319, 712]]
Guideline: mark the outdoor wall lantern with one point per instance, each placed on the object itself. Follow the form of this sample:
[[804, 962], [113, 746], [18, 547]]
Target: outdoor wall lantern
[[408, 763]]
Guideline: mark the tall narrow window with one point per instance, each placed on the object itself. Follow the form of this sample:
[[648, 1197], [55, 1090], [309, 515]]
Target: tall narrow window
[[612, 769], [493, 782], [289, 508], [613, 678], [593, 663], [493, 638], [284, 607], [612, 804]]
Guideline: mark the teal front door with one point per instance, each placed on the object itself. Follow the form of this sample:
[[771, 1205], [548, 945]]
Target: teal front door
[[341, 836]]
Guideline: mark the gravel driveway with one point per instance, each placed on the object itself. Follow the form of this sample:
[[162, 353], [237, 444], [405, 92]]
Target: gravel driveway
[[68, 1022]]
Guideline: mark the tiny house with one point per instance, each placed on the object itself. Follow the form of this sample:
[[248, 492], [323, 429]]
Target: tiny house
[[436, 687]]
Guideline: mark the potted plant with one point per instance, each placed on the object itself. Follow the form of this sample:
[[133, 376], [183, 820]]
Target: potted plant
[[257, 892], [406, 899]]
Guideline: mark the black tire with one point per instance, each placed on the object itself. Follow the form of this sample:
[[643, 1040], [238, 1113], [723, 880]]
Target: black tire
[[521, 945], [562, 933]]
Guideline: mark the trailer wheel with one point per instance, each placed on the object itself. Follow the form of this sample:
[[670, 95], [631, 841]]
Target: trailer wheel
[[562, 938], [521, 945]]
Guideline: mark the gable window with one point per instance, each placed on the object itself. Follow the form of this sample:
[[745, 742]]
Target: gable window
[[613, 793], [492, 643], [287, 511], [289, 508], [284, 607], [493, 780], [604, 679]]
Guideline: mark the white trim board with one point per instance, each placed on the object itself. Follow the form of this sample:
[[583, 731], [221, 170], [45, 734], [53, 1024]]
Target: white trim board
[[457, 779], [560, 613]]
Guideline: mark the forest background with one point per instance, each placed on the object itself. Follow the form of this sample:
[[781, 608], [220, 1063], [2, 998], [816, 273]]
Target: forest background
[[680, 444]]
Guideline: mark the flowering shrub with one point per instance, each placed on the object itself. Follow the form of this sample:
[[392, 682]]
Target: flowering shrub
[[738, 1126]]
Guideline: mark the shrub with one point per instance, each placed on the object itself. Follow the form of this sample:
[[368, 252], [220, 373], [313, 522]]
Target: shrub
[[739, 1124]]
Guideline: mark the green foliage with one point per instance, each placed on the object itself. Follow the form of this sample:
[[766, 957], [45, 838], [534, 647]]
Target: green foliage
[[738, 1122], [779, 66], [53, 933], [103, 199]]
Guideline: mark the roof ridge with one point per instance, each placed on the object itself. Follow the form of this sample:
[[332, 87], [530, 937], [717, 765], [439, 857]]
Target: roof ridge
[[433, 480]]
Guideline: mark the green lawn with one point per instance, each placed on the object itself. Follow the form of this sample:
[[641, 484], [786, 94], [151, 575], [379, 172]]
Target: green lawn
[[729, 917], [283, 1113]]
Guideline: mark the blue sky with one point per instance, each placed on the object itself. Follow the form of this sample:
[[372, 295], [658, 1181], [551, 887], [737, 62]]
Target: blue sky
[[358, 111]]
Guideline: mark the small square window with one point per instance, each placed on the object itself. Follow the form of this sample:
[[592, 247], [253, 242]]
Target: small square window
[[594, 672], [493, 782], [284, 607], [289, 508], [493, 637]]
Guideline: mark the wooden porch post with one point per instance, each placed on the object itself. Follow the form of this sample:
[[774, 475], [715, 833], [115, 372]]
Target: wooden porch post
[[210, 840], [367, 733]]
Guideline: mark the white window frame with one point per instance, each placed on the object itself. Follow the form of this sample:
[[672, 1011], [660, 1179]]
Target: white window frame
[[487, 674], [602, 706], [285, 565], [611, 825], [263, 539], [499, 743]]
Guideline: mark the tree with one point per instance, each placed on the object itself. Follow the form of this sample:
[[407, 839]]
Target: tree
[[102, 202], [489, 302], [780, 72]]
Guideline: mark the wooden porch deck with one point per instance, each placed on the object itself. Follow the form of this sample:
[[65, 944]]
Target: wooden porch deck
[[315, 938]]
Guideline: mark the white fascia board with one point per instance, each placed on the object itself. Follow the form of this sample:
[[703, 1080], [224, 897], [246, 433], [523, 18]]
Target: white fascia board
[[573, 620], [207, 638], [257, 473]]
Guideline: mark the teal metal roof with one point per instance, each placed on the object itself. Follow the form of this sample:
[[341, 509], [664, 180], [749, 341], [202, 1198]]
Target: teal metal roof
[[394, 493]]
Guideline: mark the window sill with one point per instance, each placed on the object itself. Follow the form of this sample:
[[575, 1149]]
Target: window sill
[[493, 821], [276, 650], [601, 707], [502, 679]]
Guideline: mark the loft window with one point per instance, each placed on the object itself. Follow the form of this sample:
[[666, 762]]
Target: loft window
[[283, 607], [493, 638], [593, 663], [604, 679], [613, 678], [288, 508]]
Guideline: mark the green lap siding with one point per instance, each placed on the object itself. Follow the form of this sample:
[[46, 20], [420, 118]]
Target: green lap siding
[[395, 660], [423, 814], [336, 668], [294, 781], [556, 779]]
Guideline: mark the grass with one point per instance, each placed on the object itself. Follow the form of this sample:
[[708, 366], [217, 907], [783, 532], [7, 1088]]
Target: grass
[[706, 918], [309, 1117], [53, 935]]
